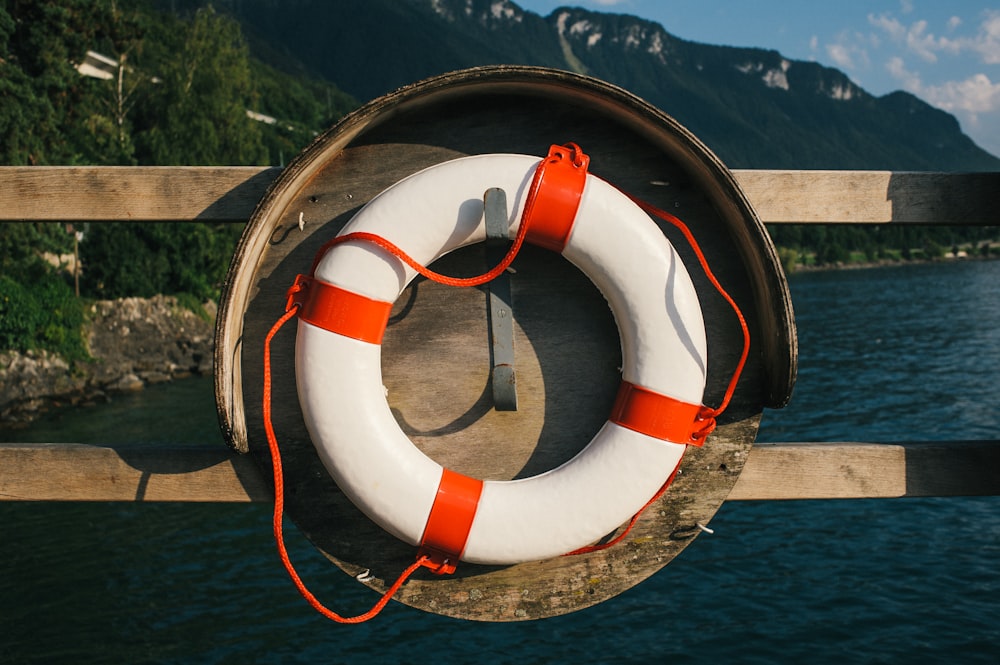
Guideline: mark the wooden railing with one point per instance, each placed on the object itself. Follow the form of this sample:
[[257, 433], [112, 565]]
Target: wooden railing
[[74, 472]]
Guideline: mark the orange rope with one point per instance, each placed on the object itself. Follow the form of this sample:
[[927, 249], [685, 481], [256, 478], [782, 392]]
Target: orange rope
[[682, 227], [635, 518], [447, 280], [711, 412], [279, 503], [466, 282]]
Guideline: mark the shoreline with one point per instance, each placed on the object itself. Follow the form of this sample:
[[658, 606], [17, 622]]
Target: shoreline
[[136, 342], [886, 263], [133, 342]]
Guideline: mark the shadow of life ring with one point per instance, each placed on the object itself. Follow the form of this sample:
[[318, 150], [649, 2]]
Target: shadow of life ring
[[344, 306]]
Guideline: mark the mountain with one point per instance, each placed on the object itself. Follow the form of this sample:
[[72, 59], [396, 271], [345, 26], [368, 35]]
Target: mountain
[[753, 107]]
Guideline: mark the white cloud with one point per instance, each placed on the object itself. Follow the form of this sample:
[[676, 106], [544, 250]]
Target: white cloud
[[849, 51], [917, 39], [906, 6], [910, 81], [987, 42], [841, 55], [921, 43], [976, 103], [975, 95], [891, 25]]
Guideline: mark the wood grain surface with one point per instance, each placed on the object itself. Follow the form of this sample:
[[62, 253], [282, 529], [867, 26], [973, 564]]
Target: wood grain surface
[[773, 471], [230, 194]]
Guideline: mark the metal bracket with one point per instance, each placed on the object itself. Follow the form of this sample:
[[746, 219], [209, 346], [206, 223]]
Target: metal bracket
[[501, 311]]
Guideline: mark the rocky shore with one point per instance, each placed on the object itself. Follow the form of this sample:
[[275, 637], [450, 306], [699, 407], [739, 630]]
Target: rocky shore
[[132, 342]]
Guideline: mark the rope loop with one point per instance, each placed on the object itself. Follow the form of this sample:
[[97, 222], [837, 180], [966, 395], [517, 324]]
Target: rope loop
[[706, 418], [279, 502]]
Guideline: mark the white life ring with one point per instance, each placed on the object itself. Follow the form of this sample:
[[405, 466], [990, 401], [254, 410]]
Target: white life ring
[[621, 250]]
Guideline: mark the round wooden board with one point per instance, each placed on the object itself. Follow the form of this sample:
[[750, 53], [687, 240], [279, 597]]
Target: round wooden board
[[435, 355]]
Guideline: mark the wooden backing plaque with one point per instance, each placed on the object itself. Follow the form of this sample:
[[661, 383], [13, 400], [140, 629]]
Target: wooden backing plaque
[[436, 357]]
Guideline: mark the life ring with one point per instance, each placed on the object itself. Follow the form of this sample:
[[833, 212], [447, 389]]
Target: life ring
[[344, 308]]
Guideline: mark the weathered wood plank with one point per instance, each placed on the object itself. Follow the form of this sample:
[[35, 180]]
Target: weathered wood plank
[[773, 471], [872, 197], [173, 193], [126, 193], [77, 472], [867, 470]]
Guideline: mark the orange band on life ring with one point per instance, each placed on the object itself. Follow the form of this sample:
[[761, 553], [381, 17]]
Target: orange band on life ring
[[450, 520], [661, 416], [338, 310], [557, 197]]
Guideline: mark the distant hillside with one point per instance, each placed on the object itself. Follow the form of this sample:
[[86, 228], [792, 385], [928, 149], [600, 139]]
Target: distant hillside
[[753, 107]]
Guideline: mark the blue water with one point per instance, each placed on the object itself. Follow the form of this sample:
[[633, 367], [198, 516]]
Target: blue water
[[892, 354]]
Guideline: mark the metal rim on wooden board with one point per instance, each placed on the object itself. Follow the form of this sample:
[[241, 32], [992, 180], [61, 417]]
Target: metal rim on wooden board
[[566, 340]]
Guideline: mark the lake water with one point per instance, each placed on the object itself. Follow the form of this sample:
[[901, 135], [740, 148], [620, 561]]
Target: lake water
[[888, 354]]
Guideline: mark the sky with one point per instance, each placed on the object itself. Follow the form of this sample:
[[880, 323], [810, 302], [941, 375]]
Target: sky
[[946, 52]]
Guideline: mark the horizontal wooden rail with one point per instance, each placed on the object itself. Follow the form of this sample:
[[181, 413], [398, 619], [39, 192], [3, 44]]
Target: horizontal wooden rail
[[872, 197], [229, 194], [132, 193], [76, 472]]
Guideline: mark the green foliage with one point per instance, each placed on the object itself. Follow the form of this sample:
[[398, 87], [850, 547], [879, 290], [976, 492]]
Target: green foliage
[[933, 250], [145, 259], [789, 259], [201, 104], [18, 315], [301, 109], [848, 243], [45, 316], [22, 242], [179, 95], [37, 307], [832, 253], [47, 114], [193, 303]]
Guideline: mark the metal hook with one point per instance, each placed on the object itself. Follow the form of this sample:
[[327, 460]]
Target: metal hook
[[501, 311]]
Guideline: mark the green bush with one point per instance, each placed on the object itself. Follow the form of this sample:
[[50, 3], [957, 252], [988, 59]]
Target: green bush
[[18, 316], [933, 250], [41, 313], [789, 259], [832, 253], [126, 259], [193, 303]]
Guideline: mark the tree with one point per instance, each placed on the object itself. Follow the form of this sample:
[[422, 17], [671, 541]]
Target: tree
[[110, 123], [50, 114], [198, 113], [28, 118], [144, 259]]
